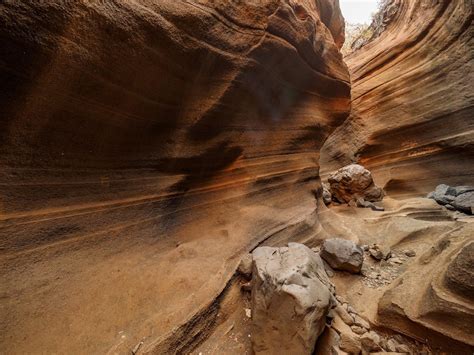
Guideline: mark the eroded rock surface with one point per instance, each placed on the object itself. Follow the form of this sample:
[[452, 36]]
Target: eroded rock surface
[[135, 137], [353, 182], [291, 296], [433, 298], [459, 276], [411, 122]]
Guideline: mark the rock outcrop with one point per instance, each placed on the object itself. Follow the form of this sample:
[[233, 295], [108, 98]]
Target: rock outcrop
[[459, 198], [411, 122], [291, 296], [433, 299], [354, 182], [135, 137]]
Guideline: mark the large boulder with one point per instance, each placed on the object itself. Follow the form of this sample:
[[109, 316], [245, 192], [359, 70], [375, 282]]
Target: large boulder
[[352, 182], [342, 254], [291, 296], [443, 194], [464, 202], [460, 198]]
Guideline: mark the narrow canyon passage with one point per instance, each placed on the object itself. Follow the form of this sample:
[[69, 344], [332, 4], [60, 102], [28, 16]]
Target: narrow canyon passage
[[146, 146]]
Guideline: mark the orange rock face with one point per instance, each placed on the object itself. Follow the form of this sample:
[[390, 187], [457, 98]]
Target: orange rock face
[[144, 146], [411, 122]]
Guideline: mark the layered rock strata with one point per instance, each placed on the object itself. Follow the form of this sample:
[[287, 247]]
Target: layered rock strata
[[136, 137], [411, 122]]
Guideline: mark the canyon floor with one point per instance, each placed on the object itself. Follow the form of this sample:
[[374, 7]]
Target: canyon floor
[[146, 146], [415, 224]]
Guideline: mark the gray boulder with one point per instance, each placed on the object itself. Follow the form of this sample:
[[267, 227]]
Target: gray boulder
[[444, 194], [459, 198], [327, 196], [291, 296], [354, 181], [342, 254], [459, 190], [464, 202]]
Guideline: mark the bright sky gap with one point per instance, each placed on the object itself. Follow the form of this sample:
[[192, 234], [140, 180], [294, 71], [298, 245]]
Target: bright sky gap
[[358, 11]]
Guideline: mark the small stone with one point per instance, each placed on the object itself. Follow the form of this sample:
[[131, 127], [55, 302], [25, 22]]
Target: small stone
[[377, 208], [361, 203], [402, 348], [345, 316], [248, 312], [342, 254], [358, 330], [349, 343], [370, 341], [361, 322], [327, 196], [378, 252], [410, 253], [364, 247], [450, 207], [391, 345], [396, 261]]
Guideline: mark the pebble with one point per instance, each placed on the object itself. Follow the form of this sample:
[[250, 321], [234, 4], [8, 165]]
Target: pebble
[[361, 322], [358, 330], [402, 348], [396, 260], [410, 253], [391, 345], [345, 316], [370, 341], [248, 312]]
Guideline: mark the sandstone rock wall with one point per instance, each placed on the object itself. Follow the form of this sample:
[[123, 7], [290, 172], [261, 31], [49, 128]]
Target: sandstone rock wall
[[412, 109], [144, 145]]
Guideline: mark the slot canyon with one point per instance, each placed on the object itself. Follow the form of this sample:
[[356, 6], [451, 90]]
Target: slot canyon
[[148, 146]]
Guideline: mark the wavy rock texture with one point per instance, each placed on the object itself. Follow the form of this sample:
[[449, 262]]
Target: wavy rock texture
[[412, 119], [431, 301], [144, 146]]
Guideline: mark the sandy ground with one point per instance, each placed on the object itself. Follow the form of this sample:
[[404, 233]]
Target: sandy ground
[[412, 224]]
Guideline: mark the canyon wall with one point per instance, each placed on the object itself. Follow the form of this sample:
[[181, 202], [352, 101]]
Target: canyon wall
[[412, 118], [412, 125], [144, 146]]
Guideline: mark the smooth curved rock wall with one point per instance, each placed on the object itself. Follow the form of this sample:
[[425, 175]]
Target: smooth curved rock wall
[[412, 111], [144, 146]]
